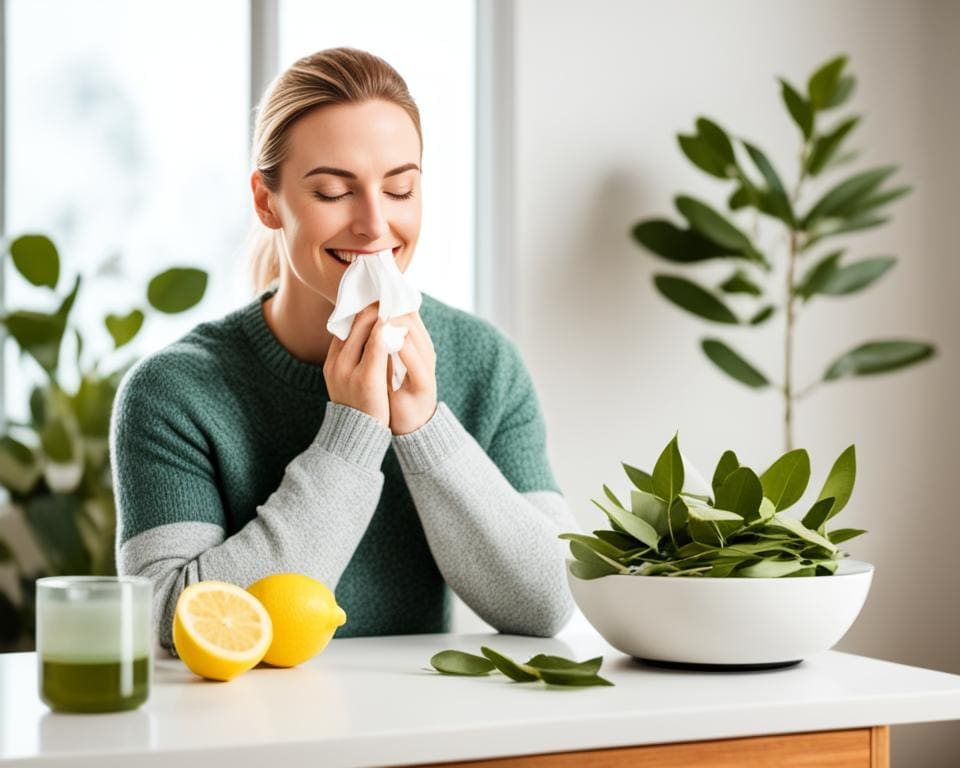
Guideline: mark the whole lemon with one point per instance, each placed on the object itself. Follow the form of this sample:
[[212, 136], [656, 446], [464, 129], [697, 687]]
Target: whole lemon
[[304, 613]]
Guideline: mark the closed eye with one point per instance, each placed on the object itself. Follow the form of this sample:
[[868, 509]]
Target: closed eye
[[330, 199]]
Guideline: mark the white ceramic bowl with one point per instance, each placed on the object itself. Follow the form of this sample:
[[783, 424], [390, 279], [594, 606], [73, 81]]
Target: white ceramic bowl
[[745, 622]]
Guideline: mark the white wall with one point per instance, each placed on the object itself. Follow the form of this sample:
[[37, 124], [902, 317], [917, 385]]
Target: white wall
[[602, 89]]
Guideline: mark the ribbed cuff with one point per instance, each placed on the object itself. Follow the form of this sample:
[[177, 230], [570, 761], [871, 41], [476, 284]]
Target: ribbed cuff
[[353, 435], [432, 443]]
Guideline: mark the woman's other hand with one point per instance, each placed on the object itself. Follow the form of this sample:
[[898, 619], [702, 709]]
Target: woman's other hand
[[414, 403], [356, 369]]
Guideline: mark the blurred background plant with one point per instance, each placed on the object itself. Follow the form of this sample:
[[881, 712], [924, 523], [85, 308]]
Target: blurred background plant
[[857, 203], [55, 467]]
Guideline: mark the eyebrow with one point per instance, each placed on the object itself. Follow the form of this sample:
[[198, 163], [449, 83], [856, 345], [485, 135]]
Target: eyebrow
[[349, 175]]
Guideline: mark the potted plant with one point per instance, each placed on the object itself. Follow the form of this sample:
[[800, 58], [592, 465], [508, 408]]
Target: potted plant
[[55, 466], [702, 574]]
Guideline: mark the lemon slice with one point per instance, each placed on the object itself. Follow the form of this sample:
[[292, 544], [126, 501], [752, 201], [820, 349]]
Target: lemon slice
[[220, 630]]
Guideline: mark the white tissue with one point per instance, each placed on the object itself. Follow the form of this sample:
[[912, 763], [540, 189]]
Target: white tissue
[[375, 277]]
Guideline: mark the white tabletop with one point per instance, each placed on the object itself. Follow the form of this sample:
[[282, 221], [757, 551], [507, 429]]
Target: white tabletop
[[376, 701]]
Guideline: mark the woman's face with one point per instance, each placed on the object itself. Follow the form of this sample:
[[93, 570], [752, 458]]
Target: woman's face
[[350, 183]]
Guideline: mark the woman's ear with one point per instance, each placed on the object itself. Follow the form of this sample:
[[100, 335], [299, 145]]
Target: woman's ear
[[263, 202]]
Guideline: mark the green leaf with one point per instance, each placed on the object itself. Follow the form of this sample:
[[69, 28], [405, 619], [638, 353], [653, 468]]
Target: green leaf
[[516, 672], [92, 405], [715, 227], [694, 299], [839, 483], [718, 140], [823, 88], [844, 534], [740, 282], [19, 469], [741, 492], [52, 519], [741, 197], [799, 529], [771, 569], [878, 357], [798, 107], [597, 545], [558, 663], [639, 478], [763, 315], [36, 258], [650, 509], [786, 479], [460, 663], [668, 472], [857, 276], [177, 289], [589, 571], [841, 199], [123, 328], [37, 334], [817, 514], [778, 203], [712, 526], [684, 246], [727, 463], [733, 364], [825, 147], [877, 200], [571, 678], [633, 525], [767, 509], [702, 155], [818, 275], [57, 442], [619, 540], [63, 311]]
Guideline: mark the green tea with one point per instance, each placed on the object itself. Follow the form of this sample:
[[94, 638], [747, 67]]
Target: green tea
[[95, 687]]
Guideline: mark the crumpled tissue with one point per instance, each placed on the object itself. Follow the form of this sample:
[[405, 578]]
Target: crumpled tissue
[[369, 278]]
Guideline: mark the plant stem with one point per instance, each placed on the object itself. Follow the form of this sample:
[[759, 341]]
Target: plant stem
[[788, 347]]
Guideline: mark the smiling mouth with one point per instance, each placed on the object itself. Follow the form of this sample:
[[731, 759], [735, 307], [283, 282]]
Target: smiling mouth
[[348, 257]]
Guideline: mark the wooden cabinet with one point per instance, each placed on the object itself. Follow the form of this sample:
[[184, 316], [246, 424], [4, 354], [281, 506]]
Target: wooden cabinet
[[855, 748]]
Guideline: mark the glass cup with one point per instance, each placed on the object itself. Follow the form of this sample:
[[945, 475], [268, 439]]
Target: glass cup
[[94, 642]]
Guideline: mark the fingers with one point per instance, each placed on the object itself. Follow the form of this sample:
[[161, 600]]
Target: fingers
[[374, 360], [418, 371], [353, 347]]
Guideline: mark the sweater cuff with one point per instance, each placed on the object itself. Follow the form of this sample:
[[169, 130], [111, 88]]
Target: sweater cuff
[[353, 436], [429, 445]]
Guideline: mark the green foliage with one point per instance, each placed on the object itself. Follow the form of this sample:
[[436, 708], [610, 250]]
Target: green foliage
[[553, 670], [56, 466], [740, 532], [746, 296]]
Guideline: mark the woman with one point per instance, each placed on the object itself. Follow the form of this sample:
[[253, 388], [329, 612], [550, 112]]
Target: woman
[[260, 443]]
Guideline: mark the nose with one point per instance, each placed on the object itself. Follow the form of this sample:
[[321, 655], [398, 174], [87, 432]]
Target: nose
[[368, 219]]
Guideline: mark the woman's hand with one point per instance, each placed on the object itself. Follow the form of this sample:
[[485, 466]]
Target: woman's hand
[[414, 403], [356, 369]]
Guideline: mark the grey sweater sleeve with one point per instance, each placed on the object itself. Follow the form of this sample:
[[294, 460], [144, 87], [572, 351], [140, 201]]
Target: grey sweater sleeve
[[496, 548], [311, 524]]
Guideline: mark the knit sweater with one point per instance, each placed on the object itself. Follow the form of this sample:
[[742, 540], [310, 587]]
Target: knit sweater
[[231, 463]]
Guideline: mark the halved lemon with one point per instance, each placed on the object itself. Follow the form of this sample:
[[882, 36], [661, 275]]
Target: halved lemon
[[220, 630]]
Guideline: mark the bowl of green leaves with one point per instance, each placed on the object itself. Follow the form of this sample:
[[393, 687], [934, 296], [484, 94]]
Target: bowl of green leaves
[[716, 575]]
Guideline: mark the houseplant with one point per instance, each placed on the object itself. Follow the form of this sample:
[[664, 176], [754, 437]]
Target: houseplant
[[731, 544], [809, 231], [55, 466]]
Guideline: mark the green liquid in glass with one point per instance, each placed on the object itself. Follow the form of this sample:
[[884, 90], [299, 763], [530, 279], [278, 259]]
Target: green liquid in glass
[[85, 687]]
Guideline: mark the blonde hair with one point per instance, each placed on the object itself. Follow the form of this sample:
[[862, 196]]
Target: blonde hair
[[331, 76]]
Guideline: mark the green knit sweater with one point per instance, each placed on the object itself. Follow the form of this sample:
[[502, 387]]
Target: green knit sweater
[[230, 462]]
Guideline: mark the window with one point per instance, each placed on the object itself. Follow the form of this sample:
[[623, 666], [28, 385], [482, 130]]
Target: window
[[127, 141]]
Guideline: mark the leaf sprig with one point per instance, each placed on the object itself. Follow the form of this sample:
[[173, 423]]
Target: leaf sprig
[[739, 531], [748, 294], [553, 670]]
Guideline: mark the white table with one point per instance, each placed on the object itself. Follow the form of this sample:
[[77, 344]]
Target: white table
[[375, 701]]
